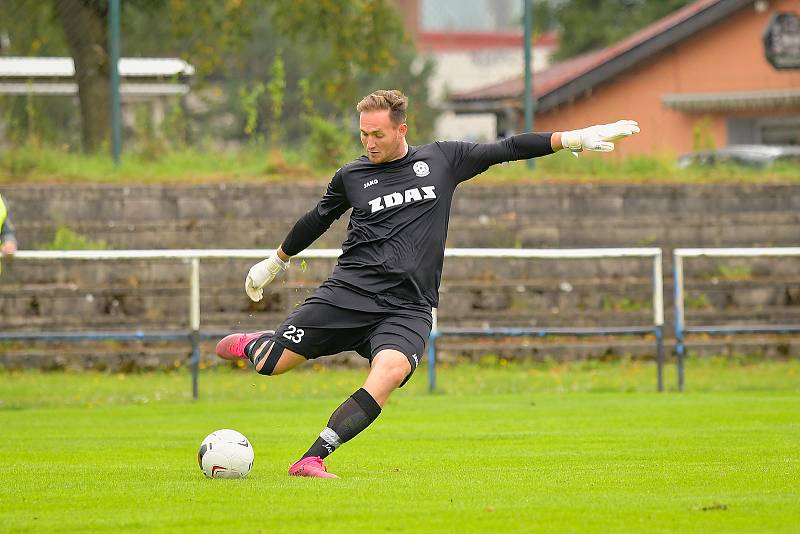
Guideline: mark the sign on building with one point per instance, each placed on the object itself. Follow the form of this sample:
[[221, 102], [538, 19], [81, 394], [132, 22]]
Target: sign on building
[[782, 41]]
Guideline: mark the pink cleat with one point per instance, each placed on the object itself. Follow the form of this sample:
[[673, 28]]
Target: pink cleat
[[231, 347], [313, 466]]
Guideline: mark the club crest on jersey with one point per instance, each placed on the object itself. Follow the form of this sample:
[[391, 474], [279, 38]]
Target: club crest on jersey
[[409, 195], [421, 169]]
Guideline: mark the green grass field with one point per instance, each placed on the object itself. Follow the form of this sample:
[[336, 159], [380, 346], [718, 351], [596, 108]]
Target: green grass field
[[517, 448]]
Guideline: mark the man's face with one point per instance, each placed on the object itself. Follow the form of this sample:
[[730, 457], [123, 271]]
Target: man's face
[[382, 139]]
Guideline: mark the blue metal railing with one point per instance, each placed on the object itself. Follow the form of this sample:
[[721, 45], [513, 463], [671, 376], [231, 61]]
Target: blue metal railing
[[681, 329], [194, 334], [657, 328]]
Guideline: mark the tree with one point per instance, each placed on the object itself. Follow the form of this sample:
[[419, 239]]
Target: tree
[[222, 26], [544, 17], [587, 25], [334, 81], [85, 25], [345, 38], [341, 40]]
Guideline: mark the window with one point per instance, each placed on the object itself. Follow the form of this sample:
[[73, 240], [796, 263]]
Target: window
[[764, 131], [780, 131]]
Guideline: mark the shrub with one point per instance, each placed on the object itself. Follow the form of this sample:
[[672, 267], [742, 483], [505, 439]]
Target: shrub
[[327, 142], [66, 239]]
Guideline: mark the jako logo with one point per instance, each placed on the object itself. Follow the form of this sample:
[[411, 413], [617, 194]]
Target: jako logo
[[371, 182], [395, 199]]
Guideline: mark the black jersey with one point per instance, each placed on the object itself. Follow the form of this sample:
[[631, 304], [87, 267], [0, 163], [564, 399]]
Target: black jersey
[[398, 227]]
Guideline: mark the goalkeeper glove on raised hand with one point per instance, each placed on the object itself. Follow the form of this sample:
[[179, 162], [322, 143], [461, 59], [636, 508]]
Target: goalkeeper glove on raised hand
[[261, 274], [598, 137]]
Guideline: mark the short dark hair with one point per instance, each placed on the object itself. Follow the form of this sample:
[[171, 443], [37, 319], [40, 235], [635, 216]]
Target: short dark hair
[[392, 100]]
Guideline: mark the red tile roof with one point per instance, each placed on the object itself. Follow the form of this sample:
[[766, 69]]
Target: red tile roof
[[558, 75], [458, 41]]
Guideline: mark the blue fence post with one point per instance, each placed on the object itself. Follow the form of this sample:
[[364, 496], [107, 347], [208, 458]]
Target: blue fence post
[[660, 356], [194, 322], [432, 361], [677, 284], [195, 339], [658, 315]]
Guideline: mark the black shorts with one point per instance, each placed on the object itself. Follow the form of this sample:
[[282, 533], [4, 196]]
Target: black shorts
[[321, 328]]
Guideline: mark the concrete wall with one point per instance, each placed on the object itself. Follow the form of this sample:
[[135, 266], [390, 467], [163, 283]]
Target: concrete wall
[[153, 295], [547, 215]]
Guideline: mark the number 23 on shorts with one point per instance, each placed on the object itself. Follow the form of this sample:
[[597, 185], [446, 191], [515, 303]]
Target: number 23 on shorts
[[293, 333]]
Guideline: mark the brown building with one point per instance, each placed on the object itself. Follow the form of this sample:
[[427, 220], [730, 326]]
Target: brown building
[[698, 76]]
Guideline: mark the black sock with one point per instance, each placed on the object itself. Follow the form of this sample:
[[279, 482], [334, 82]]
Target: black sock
[[248, 348], [354, 415], [251, 345]]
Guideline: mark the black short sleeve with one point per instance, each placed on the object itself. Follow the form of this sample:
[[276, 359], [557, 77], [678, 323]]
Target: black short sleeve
[[334, 203]]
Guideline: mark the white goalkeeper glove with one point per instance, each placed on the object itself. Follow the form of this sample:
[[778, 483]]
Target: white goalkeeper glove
[[261, 274], [599, 137]]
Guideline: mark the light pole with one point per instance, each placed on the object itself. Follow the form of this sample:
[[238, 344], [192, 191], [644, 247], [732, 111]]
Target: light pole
[[528, 23], [116, 114]]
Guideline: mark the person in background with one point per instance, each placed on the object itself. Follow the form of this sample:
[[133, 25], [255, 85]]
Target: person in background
[[8, 243]]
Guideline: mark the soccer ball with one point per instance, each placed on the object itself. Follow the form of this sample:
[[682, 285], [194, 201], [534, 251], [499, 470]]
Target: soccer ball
[[225, 454]]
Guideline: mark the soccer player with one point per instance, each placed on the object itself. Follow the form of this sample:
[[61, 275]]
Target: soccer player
[[378, 300]]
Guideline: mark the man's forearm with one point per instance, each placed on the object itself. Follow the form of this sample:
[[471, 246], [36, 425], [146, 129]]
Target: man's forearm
[[305, 231], [515, 148]]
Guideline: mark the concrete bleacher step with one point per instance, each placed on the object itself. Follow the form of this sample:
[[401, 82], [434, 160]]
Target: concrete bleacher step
[[133, 294], [750, 291]]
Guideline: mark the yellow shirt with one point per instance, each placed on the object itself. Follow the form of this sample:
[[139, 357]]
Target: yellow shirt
[[3, 214]]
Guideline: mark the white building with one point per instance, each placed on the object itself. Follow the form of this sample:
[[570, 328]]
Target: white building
[[154, 80], [471, 43]]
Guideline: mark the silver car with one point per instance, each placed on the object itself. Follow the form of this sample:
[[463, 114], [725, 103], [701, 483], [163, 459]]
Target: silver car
[[757, 156]]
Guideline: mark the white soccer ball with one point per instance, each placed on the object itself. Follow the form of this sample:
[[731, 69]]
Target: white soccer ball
[[225, 454]]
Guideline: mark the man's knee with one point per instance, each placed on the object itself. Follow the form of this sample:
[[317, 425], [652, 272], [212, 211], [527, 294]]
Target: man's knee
[[393, 365]]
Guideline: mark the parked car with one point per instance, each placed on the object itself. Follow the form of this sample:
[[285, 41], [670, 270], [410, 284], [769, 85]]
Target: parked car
[[758, 156]]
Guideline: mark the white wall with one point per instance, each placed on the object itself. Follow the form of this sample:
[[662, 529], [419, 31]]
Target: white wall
[[456, 71]]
